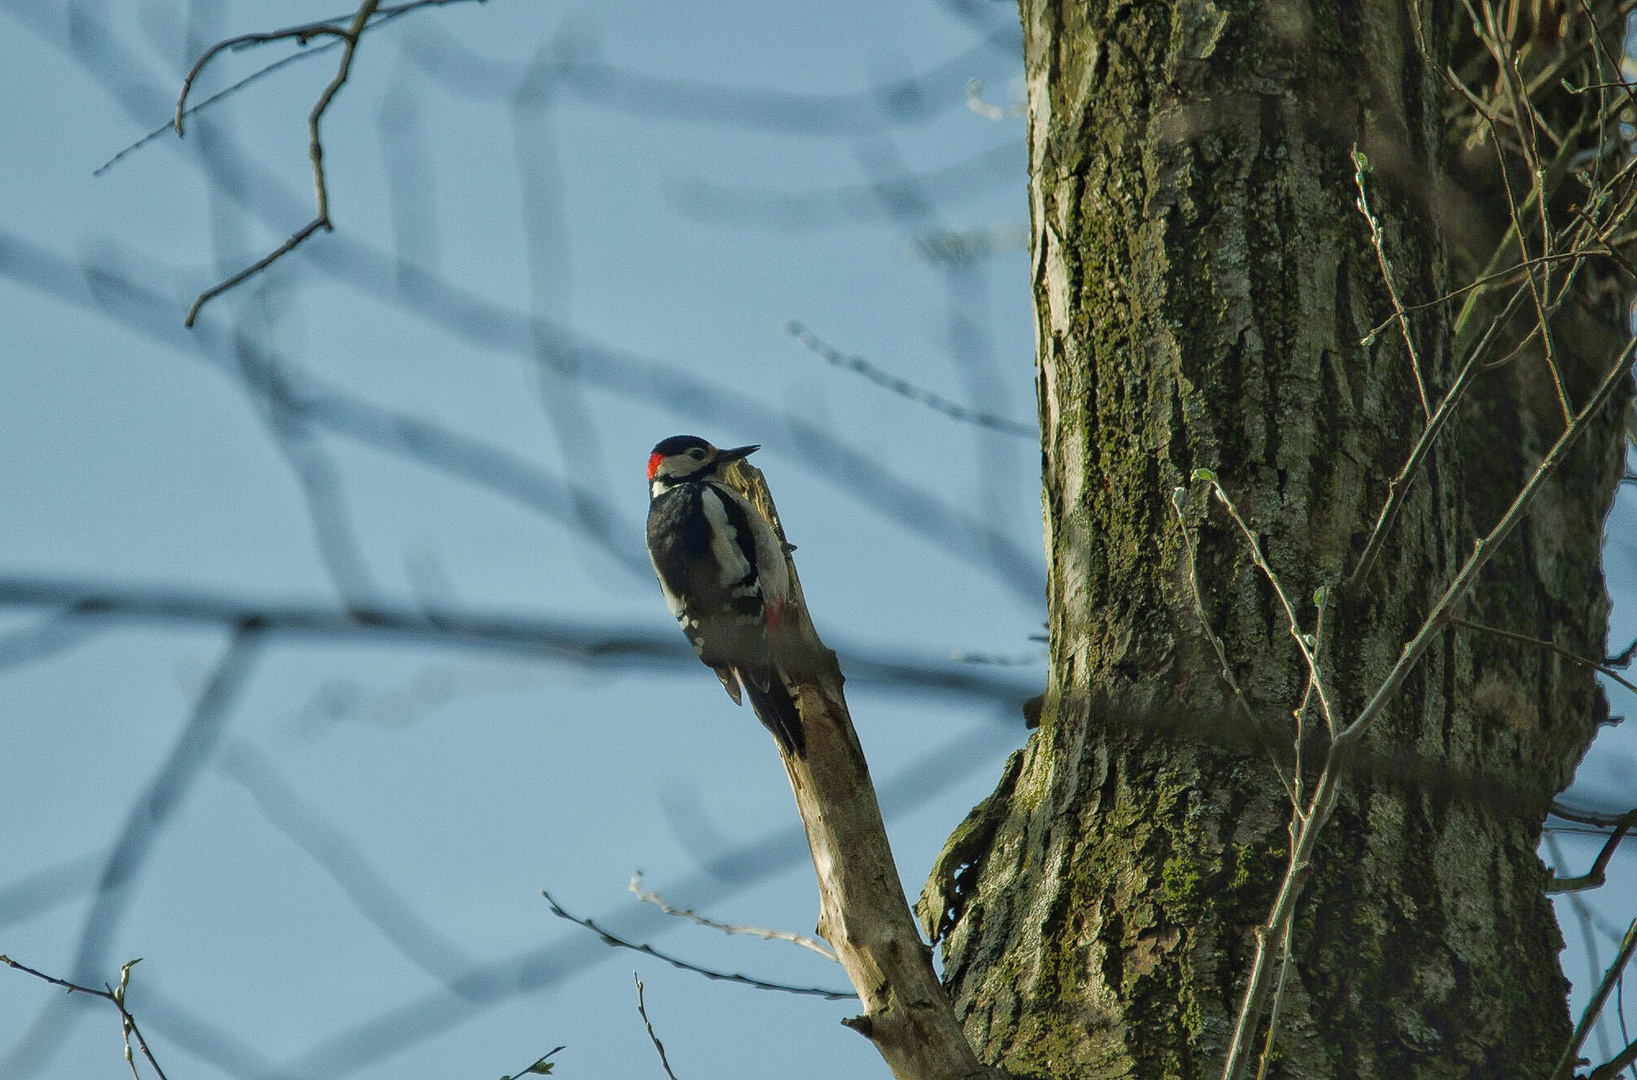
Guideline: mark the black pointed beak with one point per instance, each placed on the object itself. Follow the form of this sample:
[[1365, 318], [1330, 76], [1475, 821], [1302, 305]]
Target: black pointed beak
[[736, 453]]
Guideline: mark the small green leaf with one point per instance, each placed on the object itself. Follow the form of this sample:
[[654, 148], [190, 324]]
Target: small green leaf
[[541, 1067], [1205, 475]]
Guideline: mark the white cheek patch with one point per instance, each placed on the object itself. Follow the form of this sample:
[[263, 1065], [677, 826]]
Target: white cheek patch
[[724, 539]]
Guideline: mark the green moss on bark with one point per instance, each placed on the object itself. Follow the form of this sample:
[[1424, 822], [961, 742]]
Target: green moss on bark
[[1202, 283]]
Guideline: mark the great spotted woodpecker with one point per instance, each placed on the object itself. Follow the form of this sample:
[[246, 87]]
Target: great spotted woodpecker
[[722, 569]]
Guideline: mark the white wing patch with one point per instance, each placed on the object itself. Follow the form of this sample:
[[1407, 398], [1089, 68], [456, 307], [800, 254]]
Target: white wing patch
[[724, 538], [771, 567]]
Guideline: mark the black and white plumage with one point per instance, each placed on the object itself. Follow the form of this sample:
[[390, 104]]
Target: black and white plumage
[[723, 571]]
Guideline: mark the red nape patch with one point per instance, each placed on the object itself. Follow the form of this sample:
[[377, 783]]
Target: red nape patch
[[774, 614], [653, 464]]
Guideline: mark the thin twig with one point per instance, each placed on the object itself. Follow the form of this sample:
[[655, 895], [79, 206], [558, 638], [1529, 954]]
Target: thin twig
[[1328, 790], [1588, 817], [1305, 642], [722, 976], [1550, 646], [315, 144], [270, 258], [301, 35], [1611, 1068], [169, 126], [541, 1067], [1361, 165], [572, 640], [1498, 277], [128, 1026], [1558, 169], [903, 387], [1398, 489], [1278, 1002], [1291, 780], [1619, 371], [1535, 288], [1593, 878], [642, 1010], [728, 928], [383, 16], [1588, 933], [1594, 1008]]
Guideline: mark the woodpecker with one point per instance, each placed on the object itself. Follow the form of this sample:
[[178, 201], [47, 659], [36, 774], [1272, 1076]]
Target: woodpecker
[[722, 569]]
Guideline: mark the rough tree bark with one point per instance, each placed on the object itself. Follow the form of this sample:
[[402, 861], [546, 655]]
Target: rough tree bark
[[1202, 283]]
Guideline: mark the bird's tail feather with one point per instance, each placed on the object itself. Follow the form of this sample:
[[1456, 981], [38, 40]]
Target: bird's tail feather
[[776, 709]]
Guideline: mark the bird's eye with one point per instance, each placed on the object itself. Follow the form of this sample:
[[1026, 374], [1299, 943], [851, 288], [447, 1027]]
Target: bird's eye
[[697, 454]]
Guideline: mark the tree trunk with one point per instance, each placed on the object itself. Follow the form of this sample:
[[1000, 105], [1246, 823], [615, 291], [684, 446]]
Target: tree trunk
[[1202, 284]]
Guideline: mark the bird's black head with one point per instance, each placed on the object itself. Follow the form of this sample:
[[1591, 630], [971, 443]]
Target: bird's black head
[[687, 457]]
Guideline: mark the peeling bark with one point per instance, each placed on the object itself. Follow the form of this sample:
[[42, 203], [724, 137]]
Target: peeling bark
[[862, 911]]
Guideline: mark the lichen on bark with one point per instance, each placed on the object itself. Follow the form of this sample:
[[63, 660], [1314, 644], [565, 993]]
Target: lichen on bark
[[1203, 282]]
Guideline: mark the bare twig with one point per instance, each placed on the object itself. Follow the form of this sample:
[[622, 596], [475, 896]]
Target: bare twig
[[1458, 588], [1611, 1068], [1361, 166], [904, 388], [1587, 817], [1535, 288], [315, 144], [728, 928], [1509, 274], [572, 640], [127, 1022], [1328, 789], [1398, 489], [642, 1010], [1588, 933], [1307, 643], [1594, 1007], [1290, 779], [383, 15], [709, 973], [301, 35], [1593, 878], [1278, 1002], [169, 126], [1550, 646]]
